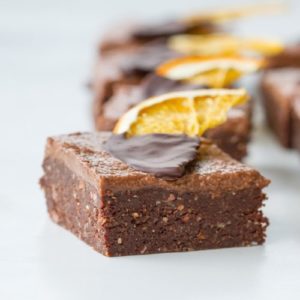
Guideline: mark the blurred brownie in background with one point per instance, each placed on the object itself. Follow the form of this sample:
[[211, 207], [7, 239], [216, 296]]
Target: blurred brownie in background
[[281, 91], [132, 35], [289, 57], [114, 98], [124, 76]]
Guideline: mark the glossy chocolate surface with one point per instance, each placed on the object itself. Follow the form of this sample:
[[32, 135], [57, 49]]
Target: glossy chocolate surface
[[163, 155]]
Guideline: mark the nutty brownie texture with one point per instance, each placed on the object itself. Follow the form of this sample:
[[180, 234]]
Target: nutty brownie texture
[[121, 211], [124, 76]]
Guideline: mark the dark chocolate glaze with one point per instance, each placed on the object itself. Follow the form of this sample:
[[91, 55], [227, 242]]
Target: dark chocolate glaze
[[164, 155], [154, 85], [172, 27], [162, 29]]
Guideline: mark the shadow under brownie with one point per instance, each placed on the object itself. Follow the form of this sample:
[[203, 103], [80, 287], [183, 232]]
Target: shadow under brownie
[[121, 211]]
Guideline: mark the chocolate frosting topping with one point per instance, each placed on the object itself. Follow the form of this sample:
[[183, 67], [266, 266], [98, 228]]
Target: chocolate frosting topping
[[168, 28], [163, 155], [154, 85], [162, 29]]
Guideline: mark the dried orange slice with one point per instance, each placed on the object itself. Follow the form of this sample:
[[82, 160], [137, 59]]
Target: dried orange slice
[[223, 44], [216, 72], [233, 13], [262, 46], [187, 112]]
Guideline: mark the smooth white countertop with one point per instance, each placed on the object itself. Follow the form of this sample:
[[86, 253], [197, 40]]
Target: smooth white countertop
[[47, 51]]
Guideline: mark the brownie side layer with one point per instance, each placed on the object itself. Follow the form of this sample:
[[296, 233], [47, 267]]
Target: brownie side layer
[[151, 220], [121, 211], [278, 111], [73, 203], [296, 124]]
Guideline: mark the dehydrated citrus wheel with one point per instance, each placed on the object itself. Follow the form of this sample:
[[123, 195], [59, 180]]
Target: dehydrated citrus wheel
[[223, 44], [187, 112], [216, 72], [233, 13], [262, 46]]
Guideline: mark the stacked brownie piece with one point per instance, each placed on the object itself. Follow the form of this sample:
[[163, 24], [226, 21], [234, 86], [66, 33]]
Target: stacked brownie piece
[[124, 76]]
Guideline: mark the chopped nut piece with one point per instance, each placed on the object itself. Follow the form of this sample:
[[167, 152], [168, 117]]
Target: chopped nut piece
[[180, 207], [185, 218], [120, 241], [220, 225], [143, 250], [201, 236], [93, 196], [102, 220], [171, 197], [81, 185], [135, 215]]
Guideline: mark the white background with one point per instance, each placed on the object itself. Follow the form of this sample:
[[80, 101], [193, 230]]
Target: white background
[[46, 53]]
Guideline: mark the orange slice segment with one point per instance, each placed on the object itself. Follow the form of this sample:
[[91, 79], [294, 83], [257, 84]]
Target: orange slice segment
[[223, 44], [187, 112], [233, 13], [216, 72]]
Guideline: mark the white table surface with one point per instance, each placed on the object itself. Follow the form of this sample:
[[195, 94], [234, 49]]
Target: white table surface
[[46, 53]]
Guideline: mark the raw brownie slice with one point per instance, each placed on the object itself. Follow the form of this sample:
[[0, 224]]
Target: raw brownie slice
[[114, 100], [119, 210], [279, 88]]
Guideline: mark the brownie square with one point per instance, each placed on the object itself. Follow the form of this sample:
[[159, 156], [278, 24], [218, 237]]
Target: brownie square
[[125, 76], [121, 211], [279, 88], [114, 97]]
